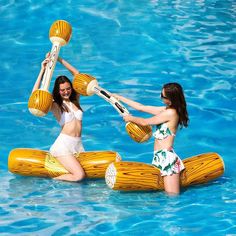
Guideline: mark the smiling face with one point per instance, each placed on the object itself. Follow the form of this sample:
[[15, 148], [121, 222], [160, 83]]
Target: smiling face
[[65, 90]]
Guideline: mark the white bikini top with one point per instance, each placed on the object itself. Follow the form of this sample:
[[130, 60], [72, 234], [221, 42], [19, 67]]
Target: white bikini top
[[67, 117]]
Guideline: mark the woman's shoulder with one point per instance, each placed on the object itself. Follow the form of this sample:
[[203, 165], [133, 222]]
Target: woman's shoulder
[[55, 107], [54, 104], [171, 112], [56, 111]]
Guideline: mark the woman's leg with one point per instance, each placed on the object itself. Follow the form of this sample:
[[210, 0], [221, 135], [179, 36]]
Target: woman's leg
[[172, 184], [72, 165]]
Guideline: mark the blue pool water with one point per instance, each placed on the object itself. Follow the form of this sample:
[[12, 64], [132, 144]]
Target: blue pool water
[[132, 48]]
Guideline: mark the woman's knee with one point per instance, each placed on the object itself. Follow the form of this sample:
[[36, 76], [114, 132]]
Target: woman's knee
[[78, 176]]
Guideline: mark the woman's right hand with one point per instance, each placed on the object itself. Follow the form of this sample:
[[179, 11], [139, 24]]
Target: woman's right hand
[[127, 118], [44, 63]]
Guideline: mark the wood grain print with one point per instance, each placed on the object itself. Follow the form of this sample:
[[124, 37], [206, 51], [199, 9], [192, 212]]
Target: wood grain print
[[33, 162], [61, 29], [81, 83], [130, 176], [40, 102], [138, 133]]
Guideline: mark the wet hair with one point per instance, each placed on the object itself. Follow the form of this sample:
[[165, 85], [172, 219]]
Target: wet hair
[[56, 93], [175, 94]]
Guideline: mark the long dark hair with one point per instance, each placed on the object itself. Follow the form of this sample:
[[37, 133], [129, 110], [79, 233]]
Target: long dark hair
[[57, 97], [175, 94]]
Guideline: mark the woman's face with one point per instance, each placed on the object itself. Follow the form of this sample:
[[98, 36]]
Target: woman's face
[[65, 90], [164, 98]]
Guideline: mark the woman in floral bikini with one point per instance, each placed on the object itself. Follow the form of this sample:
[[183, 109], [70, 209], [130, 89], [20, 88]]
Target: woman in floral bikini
[[167, 118]]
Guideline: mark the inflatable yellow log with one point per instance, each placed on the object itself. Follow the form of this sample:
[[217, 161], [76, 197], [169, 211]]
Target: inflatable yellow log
[[133, 176], [40, 100], [33, 162]]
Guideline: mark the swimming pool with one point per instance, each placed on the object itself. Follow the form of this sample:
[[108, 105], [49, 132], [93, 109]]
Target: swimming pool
[[132, 48]]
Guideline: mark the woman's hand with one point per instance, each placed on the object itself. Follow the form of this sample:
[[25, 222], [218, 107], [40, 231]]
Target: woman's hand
[[127, 118], [118, 97], [44, 63]]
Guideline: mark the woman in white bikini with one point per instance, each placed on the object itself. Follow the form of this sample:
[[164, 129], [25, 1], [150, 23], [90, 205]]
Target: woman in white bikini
[[68, 113], [167, 119]]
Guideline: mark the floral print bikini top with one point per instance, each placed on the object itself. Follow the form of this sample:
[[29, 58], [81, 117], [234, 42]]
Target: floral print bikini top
[[162, 132]]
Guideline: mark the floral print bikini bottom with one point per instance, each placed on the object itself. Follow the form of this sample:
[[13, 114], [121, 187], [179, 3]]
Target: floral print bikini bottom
[[168, 162]]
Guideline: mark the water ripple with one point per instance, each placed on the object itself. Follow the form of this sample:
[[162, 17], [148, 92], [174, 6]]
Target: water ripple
[[132, 49]]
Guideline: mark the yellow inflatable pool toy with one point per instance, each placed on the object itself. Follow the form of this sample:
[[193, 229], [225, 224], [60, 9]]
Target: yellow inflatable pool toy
[[87, 85], [41, 99], [33, 162], [133, 176]]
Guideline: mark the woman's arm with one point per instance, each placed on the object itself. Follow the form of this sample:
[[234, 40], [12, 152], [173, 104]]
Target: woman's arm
[[68, 66], [163, 117], [56, 111], [138, 106], [40, 76]]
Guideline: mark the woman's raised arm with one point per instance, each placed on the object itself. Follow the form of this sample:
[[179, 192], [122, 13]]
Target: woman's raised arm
[[68, 66], [40, 75]]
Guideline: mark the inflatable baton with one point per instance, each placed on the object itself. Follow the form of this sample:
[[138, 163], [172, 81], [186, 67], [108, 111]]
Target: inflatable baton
[[41, 100], [88, 85], [33, 162], [133, 176]]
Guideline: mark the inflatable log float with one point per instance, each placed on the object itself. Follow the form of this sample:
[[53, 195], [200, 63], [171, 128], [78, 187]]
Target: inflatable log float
[[133, 176], [33, 162]]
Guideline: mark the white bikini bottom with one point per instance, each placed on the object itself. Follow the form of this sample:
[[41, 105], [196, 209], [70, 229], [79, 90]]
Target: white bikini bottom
[[66, 145]]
